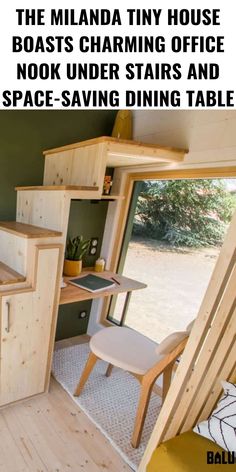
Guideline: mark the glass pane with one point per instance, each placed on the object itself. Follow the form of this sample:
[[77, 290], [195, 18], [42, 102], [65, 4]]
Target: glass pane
[[116, 308], [175, 261]]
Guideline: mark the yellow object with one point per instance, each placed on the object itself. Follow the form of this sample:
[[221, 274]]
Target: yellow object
[[184, 453], [123, 127], [72, 268], [99, 265]]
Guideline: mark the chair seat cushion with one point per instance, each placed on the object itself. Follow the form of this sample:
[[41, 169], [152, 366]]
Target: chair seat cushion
[[125, 348], [186, 453]]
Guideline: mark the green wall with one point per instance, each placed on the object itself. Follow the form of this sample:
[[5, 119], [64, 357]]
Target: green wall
[[86, 218], [25, 134], [23, 137]]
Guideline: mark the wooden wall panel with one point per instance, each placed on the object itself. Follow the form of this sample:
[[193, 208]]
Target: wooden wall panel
[[82, 166], [48, 209], [13, 250]]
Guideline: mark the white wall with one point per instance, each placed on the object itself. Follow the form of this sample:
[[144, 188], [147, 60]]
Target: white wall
[[210, 136]]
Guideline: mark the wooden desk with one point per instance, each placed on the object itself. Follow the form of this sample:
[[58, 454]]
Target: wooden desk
[[72, 294]]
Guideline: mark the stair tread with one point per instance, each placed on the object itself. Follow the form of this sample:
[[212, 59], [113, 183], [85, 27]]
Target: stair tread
[[9, 275], [28, 231], [58, 187], [125, 143]]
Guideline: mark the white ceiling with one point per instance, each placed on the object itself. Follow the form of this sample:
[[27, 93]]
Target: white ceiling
[[209, 135]]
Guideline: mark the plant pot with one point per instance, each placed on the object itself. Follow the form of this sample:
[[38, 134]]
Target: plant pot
[[72, 268]]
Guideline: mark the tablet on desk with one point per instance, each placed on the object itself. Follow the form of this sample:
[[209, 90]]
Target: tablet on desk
[[92, 283]]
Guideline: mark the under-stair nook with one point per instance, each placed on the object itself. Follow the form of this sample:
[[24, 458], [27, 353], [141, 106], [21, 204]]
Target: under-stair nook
[[32, 251]]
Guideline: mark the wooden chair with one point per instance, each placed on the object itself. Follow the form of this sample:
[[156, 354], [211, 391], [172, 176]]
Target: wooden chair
[[129, 350]]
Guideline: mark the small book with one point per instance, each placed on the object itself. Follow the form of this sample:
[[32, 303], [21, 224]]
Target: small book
[[92, 283]]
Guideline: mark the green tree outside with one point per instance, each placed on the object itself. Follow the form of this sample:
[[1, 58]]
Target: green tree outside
[[190, 213]]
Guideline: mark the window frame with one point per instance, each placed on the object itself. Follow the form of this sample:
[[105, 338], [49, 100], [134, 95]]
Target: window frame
[[127, 179]]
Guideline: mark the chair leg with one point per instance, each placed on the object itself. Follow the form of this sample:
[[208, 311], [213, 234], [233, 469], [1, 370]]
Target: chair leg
[[146, 390], [109, 370], [92, 359], [167, 374]]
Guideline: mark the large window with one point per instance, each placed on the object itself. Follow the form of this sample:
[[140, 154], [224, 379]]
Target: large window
[[173, 237]]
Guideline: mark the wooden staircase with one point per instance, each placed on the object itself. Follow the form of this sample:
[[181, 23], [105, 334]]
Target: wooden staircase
[[32, 250]]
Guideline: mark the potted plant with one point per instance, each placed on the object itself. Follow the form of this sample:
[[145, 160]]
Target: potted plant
[[76, 248]]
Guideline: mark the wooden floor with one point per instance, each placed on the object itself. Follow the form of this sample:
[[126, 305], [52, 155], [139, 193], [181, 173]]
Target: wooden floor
[[49, 433]]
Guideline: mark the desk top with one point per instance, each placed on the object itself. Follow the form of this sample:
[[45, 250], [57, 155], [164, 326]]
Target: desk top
[[72, 294]]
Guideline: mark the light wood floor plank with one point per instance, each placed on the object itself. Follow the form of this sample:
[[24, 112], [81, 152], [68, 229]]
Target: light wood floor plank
[[20, 434], [49, 433], [88, 434], [60, 440], [11, 459]]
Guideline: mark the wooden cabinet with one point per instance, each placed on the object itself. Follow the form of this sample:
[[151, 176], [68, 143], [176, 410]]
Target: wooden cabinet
[[20, 355], [26, 331]]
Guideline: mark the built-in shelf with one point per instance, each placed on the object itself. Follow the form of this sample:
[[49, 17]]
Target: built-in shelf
[[9, 276], [28, 231], [112, 197]]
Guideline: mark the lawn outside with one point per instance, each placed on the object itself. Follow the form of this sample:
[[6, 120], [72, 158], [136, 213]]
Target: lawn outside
[[176, 283]]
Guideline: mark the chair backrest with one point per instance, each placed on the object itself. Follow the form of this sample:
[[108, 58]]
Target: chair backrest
[[189, 327], [173, 340]]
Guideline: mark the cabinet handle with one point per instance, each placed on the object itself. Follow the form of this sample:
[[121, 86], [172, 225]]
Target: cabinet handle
[[7, 329]]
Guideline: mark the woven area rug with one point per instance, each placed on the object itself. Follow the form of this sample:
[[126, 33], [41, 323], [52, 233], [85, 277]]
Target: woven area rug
[[109, 402]]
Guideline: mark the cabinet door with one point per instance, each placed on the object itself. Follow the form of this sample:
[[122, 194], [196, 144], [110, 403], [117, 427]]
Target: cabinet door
[[26, 320], [24, 348]]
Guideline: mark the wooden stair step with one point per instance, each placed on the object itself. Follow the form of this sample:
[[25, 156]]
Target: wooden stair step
[[123, 152], [9, 275], [59, 187], [28, 231]]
